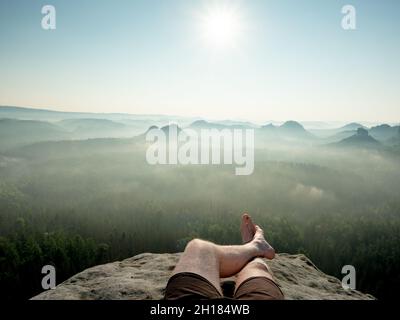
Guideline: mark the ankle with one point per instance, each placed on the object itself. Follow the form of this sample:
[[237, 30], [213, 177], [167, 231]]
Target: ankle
[[255, 249]]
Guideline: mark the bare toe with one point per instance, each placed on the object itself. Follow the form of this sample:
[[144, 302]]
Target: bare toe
[[247, 228]]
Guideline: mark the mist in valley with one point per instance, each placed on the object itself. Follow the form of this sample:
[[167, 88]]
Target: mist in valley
[[76, 203]]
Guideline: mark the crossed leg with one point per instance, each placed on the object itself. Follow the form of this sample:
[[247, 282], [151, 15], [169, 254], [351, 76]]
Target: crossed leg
[[212, 262], [257, 268]]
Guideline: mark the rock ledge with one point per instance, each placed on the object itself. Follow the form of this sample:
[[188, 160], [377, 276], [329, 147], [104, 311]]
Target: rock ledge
[[144, 277]]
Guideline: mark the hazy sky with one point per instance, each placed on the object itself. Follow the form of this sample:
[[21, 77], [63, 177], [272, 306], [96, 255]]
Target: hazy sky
[[265, 60]]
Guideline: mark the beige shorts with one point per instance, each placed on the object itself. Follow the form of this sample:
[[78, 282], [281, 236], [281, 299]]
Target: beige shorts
[[191, 286]]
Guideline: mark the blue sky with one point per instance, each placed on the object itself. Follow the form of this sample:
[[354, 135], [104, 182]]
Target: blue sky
[[291, 59]]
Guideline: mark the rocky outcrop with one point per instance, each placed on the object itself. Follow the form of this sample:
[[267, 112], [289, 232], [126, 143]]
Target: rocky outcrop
[[145, 276]]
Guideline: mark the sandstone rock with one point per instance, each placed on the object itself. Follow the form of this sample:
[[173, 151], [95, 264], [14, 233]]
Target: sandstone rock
[[145, 276]]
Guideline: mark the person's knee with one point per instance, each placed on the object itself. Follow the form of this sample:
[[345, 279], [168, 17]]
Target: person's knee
[[194, 244], [259, 263]]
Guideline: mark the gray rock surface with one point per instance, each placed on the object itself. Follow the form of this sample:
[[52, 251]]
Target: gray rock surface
[[145, 276]]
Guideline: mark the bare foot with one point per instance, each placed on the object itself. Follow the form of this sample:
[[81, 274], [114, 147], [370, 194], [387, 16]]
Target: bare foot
[[262, 245], [247, 229], [254, 234]]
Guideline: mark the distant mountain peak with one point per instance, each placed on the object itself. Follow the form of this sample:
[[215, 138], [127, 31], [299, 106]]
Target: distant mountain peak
[[362, 132], [292, 125], [382, 126], [152, 128], [167, 128], [383, 132], [352, 126], [362, 139], [269, 126], [290, 131], [200, 124]]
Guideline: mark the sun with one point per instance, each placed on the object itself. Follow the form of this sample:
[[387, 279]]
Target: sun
[[221, 26]]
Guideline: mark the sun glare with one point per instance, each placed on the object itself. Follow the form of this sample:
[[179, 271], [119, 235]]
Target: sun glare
[[221, 27]]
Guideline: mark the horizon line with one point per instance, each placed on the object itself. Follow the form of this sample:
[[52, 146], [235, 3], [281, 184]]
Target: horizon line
[[48, 109]]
